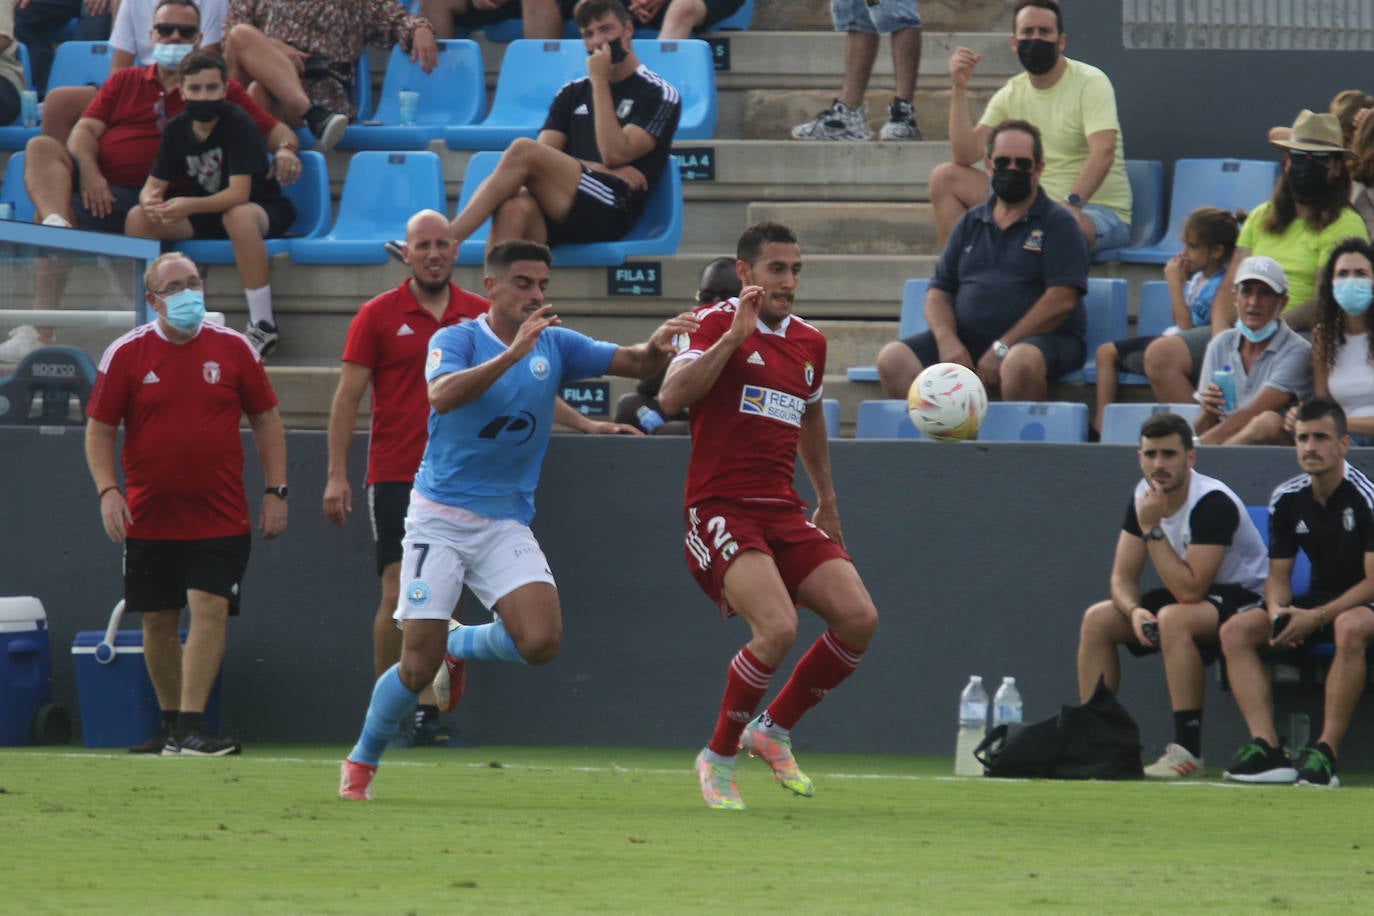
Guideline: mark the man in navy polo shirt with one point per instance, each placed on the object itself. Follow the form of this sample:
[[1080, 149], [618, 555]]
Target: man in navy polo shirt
[[1007, 296]]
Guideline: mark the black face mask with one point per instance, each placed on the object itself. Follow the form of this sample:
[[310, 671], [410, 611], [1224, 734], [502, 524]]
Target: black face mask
[[1037, 55], [1307, 180], [1011, 186], [204, 110]]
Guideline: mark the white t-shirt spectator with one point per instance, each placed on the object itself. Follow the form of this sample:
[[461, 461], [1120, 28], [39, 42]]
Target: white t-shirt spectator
[[133, 26]]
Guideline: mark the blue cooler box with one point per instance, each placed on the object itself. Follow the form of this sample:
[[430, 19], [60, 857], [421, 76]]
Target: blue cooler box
[[25, 667], [118, 704]]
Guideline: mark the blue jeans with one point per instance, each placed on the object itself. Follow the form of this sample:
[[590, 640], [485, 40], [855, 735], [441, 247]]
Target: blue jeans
[[1111, 231], [39, 25], [886, 17]]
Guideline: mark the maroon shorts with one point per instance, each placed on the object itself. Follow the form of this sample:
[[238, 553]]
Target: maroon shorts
[[719, 530]]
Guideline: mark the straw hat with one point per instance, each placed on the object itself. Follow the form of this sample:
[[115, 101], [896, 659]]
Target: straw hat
[[1315, 133]]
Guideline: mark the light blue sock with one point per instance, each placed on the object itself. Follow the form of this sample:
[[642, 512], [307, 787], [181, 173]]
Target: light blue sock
[[488, 642], [391, 702]]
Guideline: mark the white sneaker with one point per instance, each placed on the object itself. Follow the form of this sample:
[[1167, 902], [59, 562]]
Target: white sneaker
[[901, 122], [838, 122], [22, 341], [263, 336], [56, 219], [1177, 763]]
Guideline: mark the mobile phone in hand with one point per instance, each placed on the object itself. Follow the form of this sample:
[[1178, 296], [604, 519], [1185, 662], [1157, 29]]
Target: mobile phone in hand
[[1278, 625], [1151, 631]]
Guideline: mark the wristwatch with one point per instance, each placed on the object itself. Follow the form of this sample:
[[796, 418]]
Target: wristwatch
[[1000, 350], [1074, 200], [279, 492], [1155, 534]]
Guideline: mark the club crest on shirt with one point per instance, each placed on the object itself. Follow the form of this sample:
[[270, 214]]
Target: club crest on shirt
[[432, 362], [809, 373], [622, 111], [1035, 241], [539, 367], [1348, 519], [418, 593], [210, 372]]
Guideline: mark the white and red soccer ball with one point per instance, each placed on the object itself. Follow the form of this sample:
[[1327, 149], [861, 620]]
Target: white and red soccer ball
[[947, 402]]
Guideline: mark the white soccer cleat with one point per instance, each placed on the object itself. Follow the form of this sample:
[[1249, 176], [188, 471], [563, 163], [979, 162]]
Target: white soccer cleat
[[1177, 763]]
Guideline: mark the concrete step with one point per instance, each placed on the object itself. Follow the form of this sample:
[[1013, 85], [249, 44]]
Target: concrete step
[[867, 227], [966, 15], [770, 114]]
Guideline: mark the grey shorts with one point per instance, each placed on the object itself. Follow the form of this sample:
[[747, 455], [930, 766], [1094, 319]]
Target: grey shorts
[[885, 17], [1112, 231]]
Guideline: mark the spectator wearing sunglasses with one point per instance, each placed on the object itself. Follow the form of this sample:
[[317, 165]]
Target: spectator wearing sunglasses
[[1007, 296]]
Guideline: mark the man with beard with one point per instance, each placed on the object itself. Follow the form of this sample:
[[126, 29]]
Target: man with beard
[[1007, 295], [1074, 104], [1212, 561], [385, 348]]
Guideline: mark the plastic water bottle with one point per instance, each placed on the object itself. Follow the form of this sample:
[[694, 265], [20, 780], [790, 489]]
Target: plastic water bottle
[[409, 104], [1006, 706], [973, 723], [28, 108], [1225, 379], [649, 419]]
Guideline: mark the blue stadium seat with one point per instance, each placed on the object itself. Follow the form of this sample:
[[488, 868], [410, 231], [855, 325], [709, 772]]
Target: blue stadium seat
[[531, 73], [1225, 183], [80, 63], [1035, 421], [13, 191], [690, 68], [48, 378], [309, 193], [1121, 422], [1106, 308], [453, 93], [1302, 566], [885, 419], [1147, 206], [381, 191], [831, 408], [1154, 314], [657, 233], [913, 321]]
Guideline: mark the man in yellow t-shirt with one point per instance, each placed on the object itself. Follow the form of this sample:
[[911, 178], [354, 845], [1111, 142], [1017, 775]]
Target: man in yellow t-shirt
[[1074, 106]]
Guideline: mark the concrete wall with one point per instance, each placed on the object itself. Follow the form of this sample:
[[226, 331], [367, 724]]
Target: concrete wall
[[979, 558]]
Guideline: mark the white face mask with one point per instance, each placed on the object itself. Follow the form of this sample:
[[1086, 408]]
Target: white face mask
[[169, 55]]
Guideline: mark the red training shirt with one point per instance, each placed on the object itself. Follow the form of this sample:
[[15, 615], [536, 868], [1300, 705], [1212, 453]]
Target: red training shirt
[[180, 405], [390, 336], [746, 428], [134, 109]]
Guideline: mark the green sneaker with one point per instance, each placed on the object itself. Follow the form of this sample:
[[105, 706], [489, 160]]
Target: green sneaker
[[1258, 762], [718, 787], [1317, 767], [777, 753]]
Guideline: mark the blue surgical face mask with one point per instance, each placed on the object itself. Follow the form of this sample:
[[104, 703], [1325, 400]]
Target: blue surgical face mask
[[1260, 336], [185, 310], [170, 56], [1353, 294]]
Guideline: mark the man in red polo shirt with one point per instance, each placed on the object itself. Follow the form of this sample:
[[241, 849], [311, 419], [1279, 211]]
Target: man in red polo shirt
[[179, 386], [386, 347]]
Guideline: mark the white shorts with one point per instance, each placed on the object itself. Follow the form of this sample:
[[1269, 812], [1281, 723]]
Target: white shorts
[[445, 546]]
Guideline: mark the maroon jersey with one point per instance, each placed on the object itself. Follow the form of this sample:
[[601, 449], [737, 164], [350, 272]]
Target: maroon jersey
[[746, 428], [180, 405], [390, 335]]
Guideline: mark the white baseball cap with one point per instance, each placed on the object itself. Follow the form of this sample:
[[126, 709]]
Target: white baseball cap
[[1265, 269]]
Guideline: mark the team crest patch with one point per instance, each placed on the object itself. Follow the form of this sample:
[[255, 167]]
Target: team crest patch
[[432, 362], [210, 372], [1348, 519], [539, 367], [809, 373], [1035, 241], [622, 111], [417, 595]]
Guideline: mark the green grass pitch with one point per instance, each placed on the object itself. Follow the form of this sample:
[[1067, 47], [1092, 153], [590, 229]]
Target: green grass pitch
[[566, 830]]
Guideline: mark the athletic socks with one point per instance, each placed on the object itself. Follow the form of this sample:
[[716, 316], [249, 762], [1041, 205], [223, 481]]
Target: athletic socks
[[188, 722], [169, 718], [426, 712], [821, 669], [745, 684], [1188, 730], [487, 642], [391, 702], [260, 304]]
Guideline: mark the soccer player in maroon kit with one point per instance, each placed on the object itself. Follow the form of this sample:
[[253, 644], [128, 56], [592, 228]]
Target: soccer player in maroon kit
[[752, 376], [179, 386]]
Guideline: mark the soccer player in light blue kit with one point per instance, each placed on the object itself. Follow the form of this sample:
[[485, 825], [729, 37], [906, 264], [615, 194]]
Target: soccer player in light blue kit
[[492, 384]]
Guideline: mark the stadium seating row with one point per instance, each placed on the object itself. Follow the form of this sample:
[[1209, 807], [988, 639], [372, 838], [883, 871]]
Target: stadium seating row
[[1021, 421]]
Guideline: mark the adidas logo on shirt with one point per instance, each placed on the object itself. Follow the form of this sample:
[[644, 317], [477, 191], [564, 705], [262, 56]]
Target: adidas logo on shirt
[[1302, 527], [404, 330], [754, 359], [150, 378], [581, 109]]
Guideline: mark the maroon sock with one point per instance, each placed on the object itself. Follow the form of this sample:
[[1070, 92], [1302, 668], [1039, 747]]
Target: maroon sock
[[745, 685], [821, 669]]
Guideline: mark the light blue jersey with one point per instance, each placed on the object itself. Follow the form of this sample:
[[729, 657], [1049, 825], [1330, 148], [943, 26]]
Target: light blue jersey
[[485, 456]]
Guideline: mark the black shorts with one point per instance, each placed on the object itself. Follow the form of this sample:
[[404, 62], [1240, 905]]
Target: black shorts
[[603, 210], [157, 574], [280, 215], [476, 19], [387, 501], [1130, 353], [1063, 352], [1229, 600], [716, 10], [125, 199]]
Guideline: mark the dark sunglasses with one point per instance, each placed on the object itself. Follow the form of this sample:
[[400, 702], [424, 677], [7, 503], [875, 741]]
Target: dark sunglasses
[[1022, 163], [167, 30], [1302, 154]]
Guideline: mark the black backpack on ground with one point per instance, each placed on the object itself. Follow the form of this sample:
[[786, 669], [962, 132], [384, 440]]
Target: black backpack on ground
[[1098, 740]]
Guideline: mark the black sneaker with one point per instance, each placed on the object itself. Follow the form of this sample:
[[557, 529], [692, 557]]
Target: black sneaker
[[263, 336], [430, 733], [395, 250], [199, 744], [327, 126], [154, 744], [1257, 762], [901, 122], [1317, 767]]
